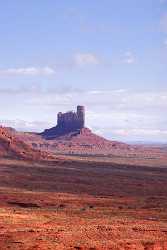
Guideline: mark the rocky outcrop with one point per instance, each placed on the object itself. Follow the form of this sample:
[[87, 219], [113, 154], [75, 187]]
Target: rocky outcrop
[[12, 146], [66, 123], [81, 141], [84, 141], [71, 136]]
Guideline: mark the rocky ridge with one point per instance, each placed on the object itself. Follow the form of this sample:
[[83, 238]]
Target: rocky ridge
[[13, 146], [81, 141]]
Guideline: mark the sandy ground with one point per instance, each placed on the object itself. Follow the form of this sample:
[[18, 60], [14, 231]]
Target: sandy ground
[[81, 204]]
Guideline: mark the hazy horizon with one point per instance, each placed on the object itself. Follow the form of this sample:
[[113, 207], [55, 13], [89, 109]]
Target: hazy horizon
[[109, 56]]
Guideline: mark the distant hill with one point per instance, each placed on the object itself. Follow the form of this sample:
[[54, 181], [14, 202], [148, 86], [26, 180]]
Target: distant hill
[[71, 136], [11, 145], [81, 141]]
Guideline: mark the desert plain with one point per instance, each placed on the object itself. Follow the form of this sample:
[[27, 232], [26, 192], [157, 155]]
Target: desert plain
[[77, 202]]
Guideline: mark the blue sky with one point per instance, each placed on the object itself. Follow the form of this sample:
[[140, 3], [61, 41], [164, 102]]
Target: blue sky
[[110, 56]]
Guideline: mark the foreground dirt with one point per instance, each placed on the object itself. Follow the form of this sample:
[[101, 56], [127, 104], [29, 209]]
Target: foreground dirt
[[82, 205]]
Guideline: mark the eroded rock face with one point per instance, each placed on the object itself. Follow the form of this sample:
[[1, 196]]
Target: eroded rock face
[[80, 141], [14, 147], [71, 135], [66, 123]]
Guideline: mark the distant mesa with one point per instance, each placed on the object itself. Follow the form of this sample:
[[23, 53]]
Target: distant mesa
[[66, 123], [69, 136]]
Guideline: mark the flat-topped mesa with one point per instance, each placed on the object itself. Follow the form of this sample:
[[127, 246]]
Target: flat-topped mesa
[[66, 123]]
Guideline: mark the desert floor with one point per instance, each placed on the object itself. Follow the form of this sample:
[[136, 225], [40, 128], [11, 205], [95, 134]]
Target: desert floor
[[79, 204]]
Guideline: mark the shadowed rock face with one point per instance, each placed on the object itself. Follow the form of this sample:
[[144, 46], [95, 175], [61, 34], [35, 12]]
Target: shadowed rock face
[[66, 123], [71, 136]]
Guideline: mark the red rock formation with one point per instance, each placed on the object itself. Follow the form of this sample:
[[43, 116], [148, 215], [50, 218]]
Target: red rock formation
[[14, 147], [81, 141], [84, 141], [71, 136], [66, 123]]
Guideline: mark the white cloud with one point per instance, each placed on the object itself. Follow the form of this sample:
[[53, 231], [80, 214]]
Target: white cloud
[[29, 71], [110, 99], [82, 59], [128, 58]]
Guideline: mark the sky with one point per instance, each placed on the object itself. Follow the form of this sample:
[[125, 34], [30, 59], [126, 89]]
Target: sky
[[110, 56]]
